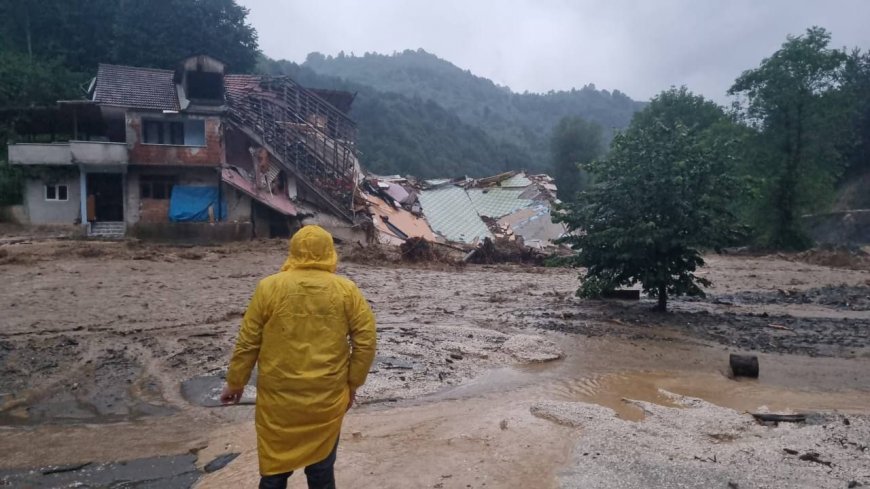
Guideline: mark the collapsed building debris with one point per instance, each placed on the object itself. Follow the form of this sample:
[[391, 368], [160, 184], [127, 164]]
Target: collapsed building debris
[[503, 251], [512, 210], [197, 151]]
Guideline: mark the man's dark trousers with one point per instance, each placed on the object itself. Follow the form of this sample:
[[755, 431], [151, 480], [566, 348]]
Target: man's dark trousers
[[320, 475]]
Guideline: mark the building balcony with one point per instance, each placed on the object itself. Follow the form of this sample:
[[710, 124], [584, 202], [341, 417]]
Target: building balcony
[[90, 153], [40, 154]]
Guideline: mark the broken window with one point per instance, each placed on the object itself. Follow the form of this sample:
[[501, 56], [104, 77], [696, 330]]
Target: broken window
[[56, 192], [179, 133], [205, 86], [156, 186]]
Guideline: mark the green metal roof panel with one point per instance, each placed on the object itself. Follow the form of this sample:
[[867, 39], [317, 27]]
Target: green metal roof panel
[[496, 201], [451, 214], [518, 180]]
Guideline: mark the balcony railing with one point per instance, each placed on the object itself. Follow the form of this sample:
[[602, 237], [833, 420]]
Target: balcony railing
[[70, 153], [40, 154], [99, 153]]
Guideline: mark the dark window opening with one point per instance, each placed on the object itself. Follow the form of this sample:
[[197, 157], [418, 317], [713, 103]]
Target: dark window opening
[[179, 133], [205, 86], [156, 186], [56, 192]]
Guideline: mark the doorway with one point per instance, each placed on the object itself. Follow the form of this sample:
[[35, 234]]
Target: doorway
[[105, 197]]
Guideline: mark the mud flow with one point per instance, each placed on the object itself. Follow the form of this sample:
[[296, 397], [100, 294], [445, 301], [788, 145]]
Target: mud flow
[[112, 361]]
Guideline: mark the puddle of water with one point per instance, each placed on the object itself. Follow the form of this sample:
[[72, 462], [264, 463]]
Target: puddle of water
[[609, 379], [206, 391], [168, 472]]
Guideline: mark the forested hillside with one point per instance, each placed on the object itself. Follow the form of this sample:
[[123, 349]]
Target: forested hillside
[[522, 120], [400, 134]]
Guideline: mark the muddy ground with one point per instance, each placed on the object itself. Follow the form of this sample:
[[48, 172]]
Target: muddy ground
[[97, 339]]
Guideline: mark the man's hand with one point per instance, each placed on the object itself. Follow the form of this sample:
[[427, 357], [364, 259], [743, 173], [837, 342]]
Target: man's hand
[[231, 396], [351, 399]]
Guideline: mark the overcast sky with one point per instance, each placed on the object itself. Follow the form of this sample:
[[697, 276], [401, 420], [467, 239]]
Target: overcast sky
[[638, 47]]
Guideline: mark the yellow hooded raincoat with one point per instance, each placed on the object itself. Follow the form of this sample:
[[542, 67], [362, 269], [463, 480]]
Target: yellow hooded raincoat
[[297, 328]]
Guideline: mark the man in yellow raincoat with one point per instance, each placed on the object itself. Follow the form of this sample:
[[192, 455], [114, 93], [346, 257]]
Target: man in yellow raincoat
[[312, 335]]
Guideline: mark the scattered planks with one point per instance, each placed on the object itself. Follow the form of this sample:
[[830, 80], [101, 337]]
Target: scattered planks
[[780, 418]]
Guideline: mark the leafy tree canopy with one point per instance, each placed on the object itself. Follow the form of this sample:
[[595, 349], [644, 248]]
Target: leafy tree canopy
[[660, 197], [793, 100], [79, 34]]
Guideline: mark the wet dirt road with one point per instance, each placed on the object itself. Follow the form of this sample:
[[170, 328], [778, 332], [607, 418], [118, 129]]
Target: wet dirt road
[[101, 336], [482, 434]]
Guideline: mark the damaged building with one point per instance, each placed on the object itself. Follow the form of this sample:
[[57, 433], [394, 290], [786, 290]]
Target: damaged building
[[191, 152], [512, 205], [197, 152]]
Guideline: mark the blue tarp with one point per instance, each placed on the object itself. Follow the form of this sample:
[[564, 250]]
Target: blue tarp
[[190, 204]]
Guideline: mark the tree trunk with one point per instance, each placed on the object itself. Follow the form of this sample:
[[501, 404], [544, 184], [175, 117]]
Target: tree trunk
[[27, 32], [663, 299], [744, 365]]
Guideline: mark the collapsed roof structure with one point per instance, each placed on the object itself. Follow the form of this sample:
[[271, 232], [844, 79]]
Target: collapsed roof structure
[[511, 205]]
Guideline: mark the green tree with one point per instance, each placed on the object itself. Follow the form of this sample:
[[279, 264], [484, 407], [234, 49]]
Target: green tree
[[82, 33], [575, 141], [793, 102], [27, 82], [661, 196], [856, 89], [158, 33]]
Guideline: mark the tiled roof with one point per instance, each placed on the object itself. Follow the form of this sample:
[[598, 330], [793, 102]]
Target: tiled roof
[[129, 86], [451, 214]]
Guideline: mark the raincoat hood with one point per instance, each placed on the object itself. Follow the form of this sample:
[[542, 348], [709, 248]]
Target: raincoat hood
[[311, 248]]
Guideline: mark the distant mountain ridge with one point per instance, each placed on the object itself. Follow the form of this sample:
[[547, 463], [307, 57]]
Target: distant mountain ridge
[[422, 115]]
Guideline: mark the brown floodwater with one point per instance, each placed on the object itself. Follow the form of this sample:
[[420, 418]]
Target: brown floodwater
[[610, 372]]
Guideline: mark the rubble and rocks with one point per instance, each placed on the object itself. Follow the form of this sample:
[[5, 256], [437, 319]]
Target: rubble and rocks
[[532, 348], [418, 249], [699, 444], [850, 297], [505, 251], [814, 336]]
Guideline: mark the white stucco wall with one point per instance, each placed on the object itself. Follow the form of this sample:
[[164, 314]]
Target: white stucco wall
[[42, 211]]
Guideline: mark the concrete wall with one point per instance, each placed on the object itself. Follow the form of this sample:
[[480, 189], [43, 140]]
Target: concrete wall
[[95, 152], [41, 211], [157, 210], [212, 154], [39, 154], [132, 210], [340, 229], [238, 204]]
